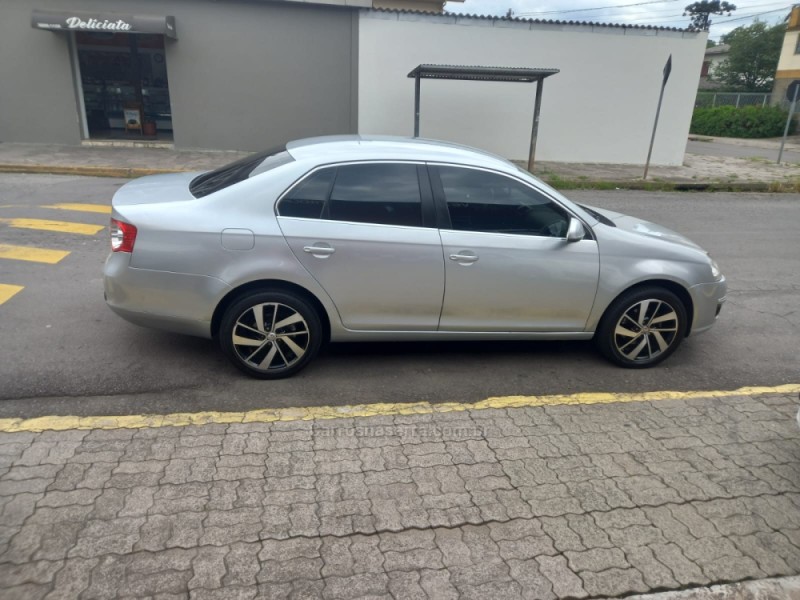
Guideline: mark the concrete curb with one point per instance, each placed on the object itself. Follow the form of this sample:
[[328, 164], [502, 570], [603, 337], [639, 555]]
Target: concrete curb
[[98, 171], [556, 181], [786, 588], [675, 186]]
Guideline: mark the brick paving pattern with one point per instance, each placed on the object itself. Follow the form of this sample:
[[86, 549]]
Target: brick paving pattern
[[555, 502]]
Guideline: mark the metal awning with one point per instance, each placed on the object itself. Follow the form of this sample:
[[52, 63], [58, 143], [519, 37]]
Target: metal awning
[[475, 73], [102, 22]]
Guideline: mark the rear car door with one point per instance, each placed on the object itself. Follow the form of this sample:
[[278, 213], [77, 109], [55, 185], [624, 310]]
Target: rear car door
[[366, 232], [508, 266]]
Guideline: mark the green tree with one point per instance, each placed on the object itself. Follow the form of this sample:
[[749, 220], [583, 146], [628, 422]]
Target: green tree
[[753, 58], [702, 11]]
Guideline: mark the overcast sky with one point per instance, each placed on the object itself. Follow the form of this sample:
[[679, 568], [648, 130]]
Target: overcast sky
[[666, 13]]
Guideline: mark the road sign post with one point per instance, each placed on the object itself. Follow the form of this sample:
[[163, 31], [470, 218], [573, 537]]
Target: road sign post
[[791, 95], [667, 71]]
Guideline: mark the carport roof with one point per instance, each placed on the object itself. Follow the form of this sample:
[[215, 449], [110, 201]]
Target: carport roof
[[468, 73]]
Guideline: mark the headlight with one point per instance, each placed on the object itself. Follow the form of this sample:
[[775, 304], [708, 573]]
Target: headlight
[[715, 272]]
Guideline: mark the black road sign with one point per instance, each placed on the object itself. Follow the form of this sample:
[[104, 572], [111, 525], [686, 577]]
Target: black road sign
[[667, 70]]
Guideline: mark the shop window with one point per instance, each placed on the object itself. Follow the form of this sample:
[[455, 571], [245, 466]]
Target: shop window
[[124, 72]]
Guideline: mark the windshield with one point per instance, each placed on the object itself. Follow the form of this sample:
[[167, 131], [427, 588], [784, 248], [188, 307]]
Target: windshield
[[237, 171], [602, 218]]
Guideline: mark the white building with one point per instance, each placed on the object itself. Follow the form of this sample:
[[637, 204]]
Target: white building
[[599, 108]]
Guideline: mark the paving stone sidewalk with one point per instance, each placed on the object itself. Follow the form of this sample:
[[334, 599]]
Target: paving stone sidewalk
[[577, 501]]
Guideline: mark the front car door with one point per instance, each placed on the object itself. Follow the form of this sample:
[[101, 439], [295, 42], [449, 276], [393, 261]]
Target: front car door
[[508, 265], [366, 233]]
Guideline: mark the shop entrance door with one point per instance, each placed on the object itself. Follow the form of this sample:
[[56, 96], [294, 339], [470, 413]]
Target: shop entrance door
[[125, 86]]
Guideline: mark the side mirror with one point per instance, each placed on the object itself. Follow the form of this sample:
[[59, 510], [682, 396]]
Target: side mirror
[[575, 232]]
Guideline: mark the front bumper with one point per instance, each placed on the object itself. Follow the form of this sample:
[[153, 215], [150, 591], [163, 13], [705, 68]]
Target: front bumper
[[177, 302], [708, 299]]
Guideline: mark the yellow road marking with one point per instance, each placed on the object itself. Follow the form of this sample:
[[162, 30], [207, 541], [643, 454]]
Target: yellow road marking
[[41, 255], [92, 208], [60, 226], [269, 415], [7, 291]]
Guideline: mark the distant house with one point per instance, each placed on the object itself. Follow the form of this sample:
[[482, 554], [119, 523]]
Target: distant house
[[713, 57], [789, 62]]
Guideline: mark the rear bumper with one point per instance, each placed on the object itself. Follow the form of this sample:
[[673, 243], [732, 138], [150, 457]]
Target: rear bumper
[[178, 302], [708, 299]]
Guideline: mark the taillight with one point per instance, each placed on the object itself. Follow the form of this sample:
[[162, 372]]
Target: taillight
[[123, 236]]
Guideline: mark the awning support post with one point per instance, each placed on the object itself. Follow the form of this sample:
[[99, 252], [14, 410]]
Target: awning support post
[[535, 129], [416, 106]]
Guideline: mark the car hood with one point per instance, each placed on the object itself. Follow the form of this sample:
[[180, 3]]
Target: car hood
[[646, 228], [154, 189]]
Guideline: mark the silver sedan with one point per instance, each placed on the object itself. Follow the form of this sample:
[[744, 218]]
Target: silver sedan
[[353, 238]]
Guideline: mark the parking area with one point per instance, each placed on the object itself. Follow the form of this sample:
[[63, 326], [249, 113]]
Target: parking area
[[142, 463]]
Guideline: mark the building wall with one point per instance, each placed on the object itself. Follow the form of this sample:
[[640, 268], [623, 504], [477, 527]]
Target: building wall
[[242, 75], [599, 108], [789, 61], [37, 99]]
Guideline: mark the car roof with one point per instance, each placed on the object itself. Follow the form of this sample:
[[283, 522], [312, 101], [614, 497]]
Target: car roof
[[334, 148]]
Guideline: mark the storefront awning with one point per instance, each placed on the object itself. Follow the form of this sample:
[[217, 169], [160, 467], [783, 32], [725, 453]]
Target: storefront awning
[[56, 20]]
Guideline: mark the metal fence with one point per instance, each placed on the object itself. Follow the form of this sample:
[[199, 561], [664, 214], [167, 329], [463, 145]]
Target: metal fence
[[711, 99]]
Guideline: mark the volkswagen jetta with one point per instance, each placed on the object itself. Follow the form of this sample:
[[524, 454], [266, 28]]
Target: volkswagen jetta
[[352, 238]]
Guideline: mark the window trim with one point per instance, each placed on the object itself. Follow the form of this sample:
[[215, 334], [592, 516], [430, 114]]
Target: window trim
[[423, 182], [444, 214]]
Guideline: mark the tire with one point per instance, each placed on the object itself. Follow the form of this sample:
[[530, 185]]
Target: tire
[[642, 327], [249, 337]]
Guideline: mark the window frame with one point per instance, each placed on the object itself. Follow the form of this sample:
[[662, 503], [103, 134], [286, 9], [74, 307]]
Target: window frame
[[443, 214], [428, 212]]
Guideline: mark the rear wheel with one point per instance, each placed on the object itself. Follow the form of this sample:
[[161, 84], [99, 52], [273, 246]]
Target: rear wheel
[[642, 327], [270, 335]]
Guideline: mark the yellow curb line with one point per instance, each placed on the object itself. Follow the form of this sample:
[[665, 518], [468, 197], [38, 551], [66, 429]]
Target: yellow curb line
[[270, 415]]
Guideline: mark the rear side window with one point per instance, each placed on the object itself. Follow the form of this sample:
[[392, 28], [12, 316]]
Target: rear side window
[[237, 171], [379, 193], [307, 198], [386, 194]]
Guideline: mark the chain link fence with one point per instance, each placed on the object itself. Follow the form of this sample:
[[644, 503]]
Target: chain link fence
[[712, 99]]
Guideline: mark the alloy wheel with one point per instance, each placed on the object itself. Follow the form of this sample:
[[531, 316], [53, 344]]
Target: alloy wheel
[[270, 337], [646, 330]]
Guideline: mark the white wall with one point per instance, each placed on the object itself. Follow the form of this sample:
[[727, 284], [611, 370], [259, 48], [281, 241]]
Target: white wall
[[599, 108]]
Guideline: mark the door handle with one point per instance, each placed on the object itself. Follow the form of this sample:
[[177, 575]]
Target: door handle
[[323, 250], [467, 258]]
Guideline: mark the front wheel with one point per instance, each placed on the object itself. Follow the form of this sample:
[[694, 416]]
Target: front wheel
[[270, 335], [642, 327]]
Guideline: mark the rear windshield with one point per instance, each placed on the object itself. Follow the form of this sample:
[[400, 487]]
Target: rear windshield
[[233, 173]]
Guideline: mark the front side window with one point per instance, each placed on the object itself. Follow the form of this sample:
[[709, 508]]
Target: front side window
[[489, 202], [379, 193]]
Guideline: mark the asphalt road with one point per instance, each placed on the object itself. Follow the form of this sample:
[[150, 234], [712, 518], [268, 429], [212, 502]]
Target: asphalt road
[[739, 151], [63, 352]]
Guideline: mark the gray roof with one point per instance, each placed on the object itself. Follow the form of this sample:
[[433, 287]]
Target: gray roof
[[529, 20]]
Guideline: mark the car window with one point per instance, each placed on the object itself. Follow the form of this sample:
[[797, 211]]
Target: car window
[[483, 201], [381, 193], [307, 198], [237, 171]]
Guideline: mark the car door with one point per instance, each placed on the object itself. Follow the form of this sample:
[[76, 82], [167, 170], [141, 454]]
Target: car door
[[508, 265], [366, 232]]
